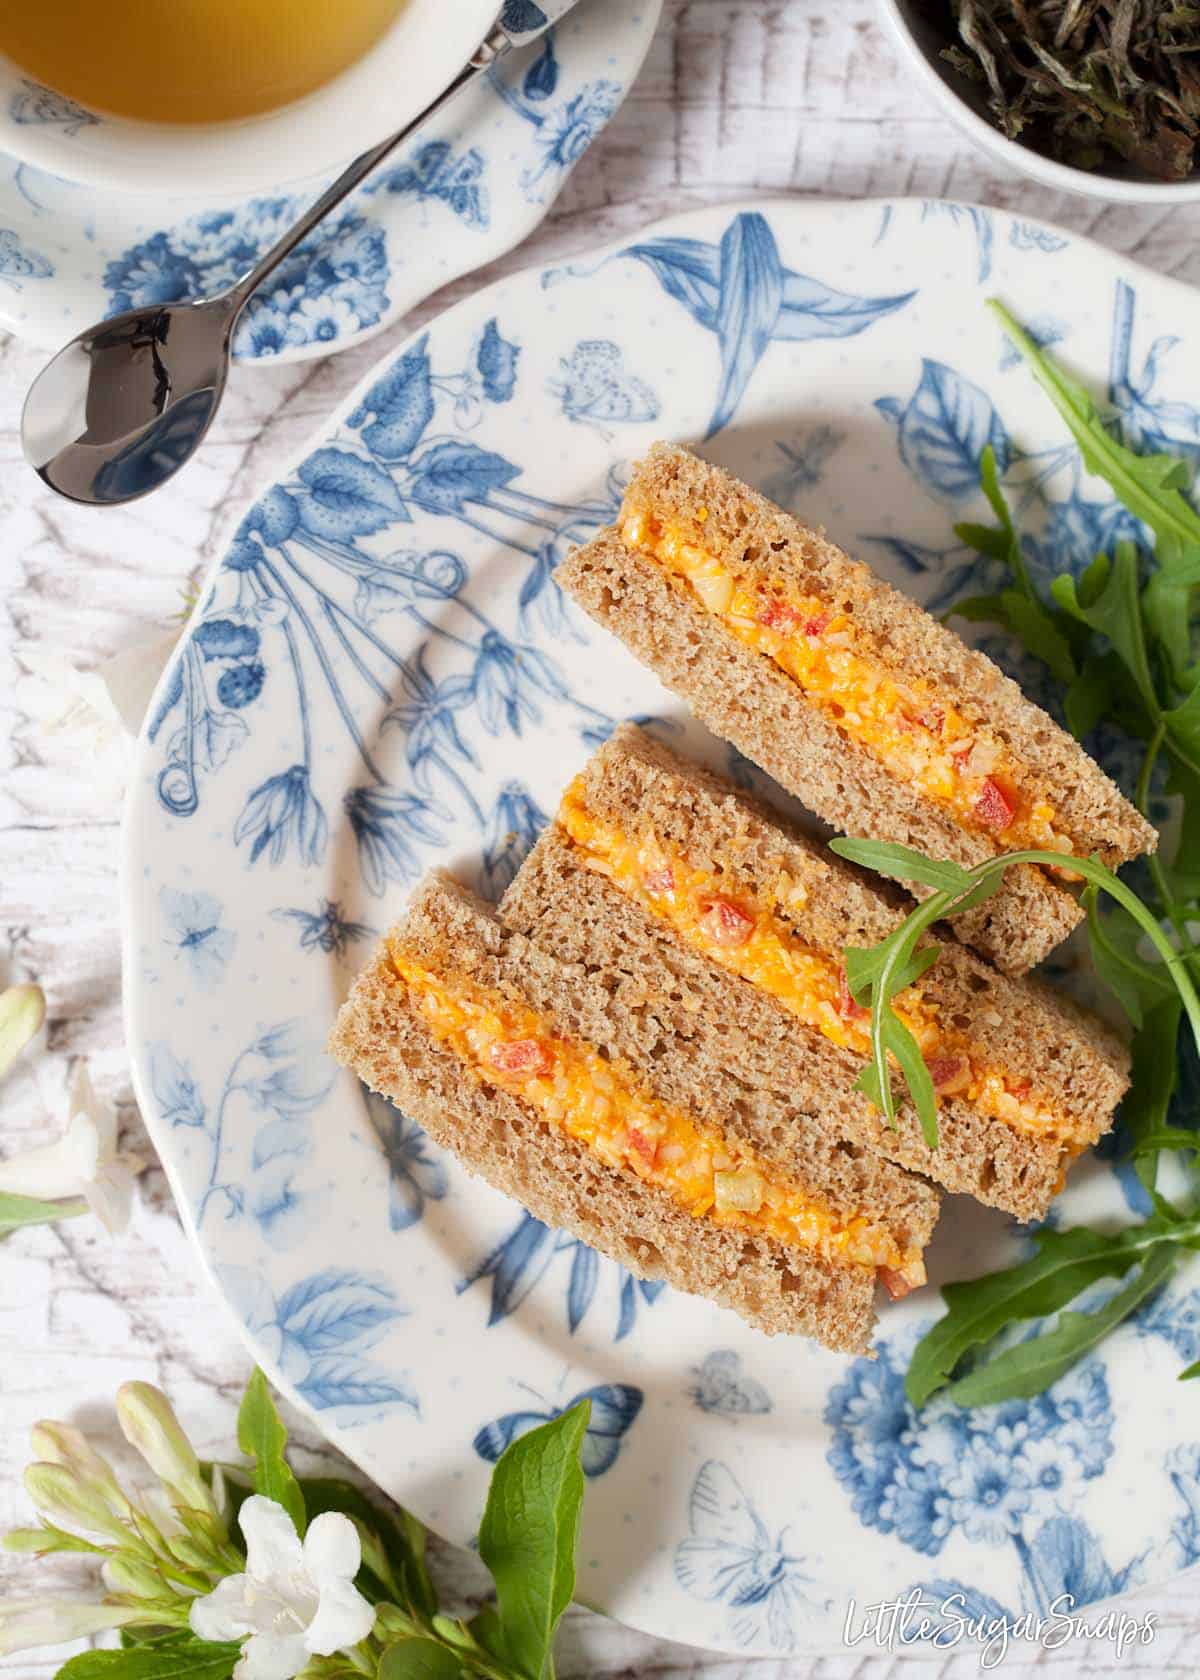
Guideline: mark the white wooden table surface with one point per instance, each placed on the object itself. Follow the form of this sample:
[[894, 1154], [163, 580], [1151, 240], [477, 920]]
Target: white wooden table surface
[[740, 98]]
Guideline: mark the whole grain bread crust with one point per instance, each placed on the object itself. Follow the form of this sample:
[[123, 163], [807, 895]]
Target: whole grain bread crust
[[776, 1288], [770, 543], [749, 701]]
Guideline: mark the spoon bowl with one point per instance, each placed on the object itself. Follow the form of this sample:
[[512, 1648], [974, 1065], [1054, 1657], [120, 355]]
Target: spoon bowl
[[125, 404]]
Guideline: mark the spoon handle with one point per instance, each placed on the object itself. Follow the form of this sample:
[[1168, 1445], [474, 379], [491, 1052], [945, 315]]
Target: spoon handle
[[239, 294]]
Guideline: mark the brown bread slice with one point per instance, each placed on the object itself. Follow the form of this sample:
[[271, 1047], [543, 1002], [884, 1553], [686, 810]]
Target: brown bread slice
[[778, 1289], [746, 698], [1024, 1026]]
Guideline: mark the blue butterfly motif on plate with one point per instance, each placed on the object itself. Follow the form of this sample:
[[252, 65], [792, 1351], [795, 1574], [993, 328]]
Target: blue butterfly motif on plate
[[35, 105], [418, 1172], [596, 387], [18, 262], [196, 934], [614, 1408], [732, 1558], [435, 172], [719, 1386], [325, 929]]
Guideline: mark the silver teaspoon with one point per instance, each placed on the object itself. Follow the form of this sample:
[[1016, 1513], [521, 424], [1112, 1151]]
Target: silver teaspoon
[[127, 403]]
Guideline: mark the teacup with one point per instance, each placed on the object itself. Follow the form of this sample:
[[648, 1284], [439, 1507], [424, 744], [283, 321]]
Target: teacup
[[419, 54]]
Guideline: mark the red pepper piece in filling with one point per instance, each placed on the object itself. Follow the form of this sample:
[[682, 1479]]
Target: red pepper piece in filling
[[949, 1073], [846, 1006], [642, 1146], [896, 1284], [523, 1056], [725, 924], [994, 808]]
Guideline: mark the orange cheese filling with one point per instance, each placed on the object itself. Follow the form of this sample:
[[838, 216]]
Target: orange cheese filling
[[742, 932], [599, 1103], [914, 732]]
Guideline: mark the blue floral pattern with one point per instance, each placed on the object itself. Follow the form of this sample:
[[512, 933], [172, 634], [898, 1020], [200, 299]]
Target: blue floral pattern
[[383, 676], [998, 1476], [522, 1258], [303, 573], [331, 287], [740, 289], [477, 182], [319, 1332]]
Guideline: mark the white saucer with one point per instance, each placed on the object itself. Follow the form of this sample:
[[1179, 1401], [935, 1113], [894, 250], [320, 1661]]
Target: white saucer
[[477, 183]]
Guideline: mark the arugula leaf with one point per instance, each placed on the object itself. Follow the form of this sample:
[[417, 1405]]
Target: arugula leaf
[[1150, 486], [1154, 1074], [1114, 938], [1107, 598], [1025, 1370], [19, 1211], [419, 1659], [1183, 729], [1066, 1263], [902, 863], [262, 1437], [528, 1536], [196, 1660], [1021, 610], [1170, 1137], [863, 966], [1089, 695], [1184, 783], [1028, 620]]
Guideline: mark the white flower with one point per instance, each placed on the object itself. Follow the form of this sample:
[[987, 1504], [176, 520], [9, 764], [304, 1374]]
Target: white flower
[[295, 1600], [26, 1623], [84, 1162]]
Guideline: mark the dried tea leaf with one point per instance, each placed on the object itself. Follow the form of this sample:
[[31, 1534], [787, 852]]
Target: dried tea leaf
[[1092, 83]]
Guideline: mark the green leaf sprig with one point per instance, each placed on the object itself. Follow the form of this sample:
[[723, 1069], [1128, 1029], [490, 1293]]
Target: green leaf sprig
[[876, 976], [528, 1539], [1120, 639]]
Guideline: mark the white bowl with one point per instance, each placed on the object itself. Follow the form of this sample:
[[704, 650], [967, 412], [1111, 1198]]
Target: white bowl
[[918, 43], [421, 53]]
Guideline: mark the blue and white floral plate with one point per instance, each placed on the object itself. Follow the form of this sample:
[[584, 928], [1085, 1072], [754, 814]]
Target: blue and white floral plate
[[382, 676], [479, 181]]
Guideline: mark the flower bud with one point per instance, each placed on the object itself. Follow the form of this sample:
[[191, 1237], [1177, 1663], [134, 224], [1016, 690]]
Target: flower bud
[[149, 1424], [26, 1623], [130, 1577], [35, 1540], [22, 1011], [70, 1500], [59, 1443]]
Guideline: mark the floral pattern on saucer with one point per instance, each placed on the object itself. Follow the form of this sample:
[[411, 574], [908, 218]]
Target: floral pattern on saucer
[[470, 188]]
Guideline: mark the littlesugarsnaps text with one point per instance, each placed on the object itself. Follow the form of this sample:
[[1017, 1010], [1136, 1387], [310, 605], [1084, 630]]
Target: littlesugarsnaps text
[[893, 1623]]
